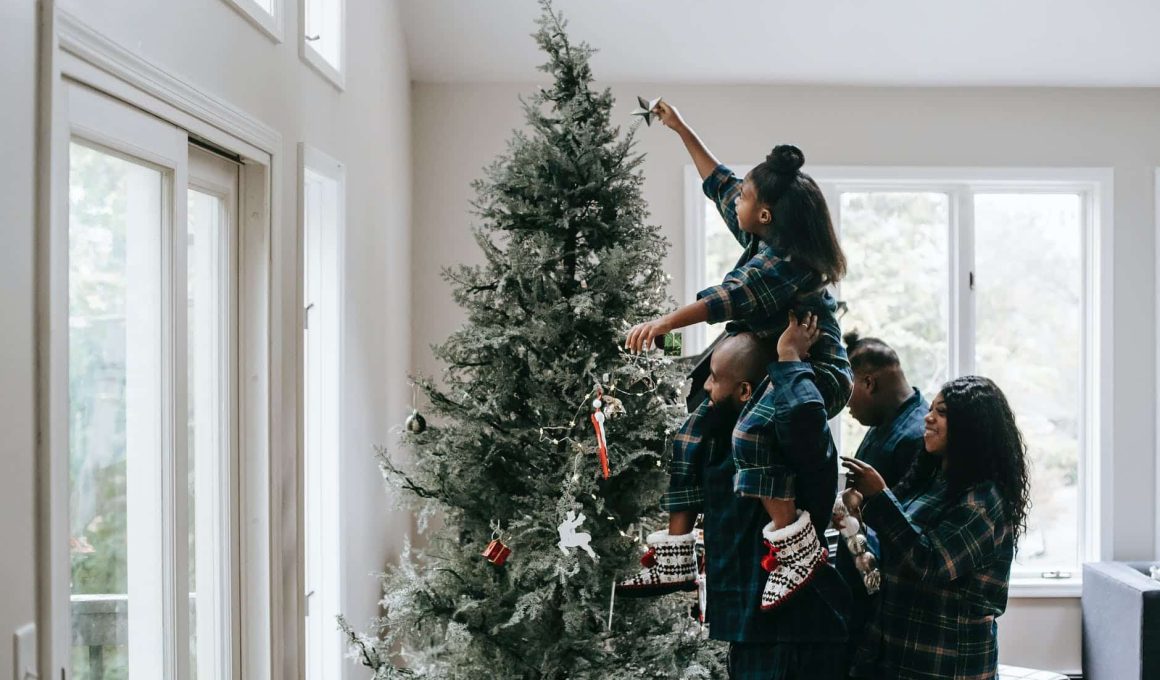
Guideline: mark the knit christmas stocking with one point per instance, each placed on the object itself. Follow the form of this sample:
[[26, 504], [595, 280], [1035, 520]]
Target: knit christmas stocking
[[794, 556], [670, 565]]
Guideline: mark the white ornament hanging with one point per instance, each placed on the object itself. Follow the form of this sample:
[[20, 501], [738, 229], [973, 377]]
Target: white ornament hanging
[[415, 423], [570, 538]]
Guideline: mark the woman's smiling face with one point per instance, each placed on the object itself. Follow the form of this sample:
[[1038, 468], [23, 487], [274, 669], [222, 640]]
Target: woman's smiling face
[[935, 434]]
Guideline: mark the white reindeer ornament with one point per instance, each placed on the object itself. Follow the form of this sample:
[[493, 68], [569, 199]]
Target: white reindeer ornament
[[570, 538]]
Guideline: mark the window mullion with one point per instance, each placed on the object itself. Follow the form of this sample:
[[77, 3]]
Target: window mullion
[[833, 198], [175, 462], [962, 267]]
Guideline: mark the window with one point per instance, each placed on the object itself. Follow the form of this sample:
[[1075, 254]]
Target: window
[[998, 272], [116, 217], [324, 38], [210, 403], [898, 283], [265, 15], [151, 385], [1029, 309], [323, 214]]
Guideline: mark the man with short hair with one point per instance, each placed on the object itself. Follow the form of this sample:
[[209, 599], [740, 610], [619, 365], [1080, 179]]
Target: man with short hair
[[884, 400]]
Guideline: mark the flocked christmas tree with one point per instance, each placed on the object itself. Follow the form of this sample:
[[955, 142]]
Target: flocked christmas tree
[[513, 454]]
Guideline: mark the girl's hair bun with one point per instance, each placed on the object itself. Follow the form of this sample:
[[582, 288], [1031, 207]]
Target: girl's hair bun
[[786, 159]]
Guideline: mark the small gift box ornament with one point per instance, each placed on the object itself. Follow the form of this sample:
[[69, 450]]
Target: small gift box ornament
[[496, 552]]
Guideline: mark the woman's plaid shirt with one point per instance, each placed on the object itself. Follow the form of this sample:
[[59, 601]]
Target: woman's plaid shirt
[[946, 564]]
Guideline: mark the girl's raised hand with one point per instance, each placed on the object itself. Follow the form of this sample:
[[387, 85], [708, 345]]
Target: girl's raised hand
[[642, 336], [669, 115]]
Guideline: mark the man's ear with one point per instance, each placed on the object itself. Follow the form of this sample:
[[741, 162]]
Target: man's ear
[[872, 383], [765, 216], [744, 391]]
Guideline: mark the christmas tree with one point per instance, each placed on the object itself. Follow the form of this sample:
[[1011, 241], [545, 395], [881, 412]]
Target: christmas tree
[[513, 454]]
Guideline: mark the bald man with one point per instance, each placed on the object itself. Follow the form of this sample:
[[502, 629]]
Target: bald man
[[804, 637]]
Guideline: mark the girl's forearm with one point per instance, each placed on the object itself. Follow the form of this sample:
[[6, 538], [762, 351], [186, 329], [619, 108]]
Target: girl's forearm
[[696, 312], [702, 157]]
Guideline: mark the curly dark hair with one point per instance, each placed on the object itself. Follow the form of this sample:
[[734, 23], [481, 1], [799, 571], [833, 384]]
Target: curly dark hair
[[801, 218], [984, 444]]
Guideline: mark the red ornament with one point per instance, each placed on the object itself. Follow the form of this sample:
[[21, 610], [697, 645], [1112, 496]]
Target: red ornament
[[649, 559], [496, 552], [597, 418], [769, 562]]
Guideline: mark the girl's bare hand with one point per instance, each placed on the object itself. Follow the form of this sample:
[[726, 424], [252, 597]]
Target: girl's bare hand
[[643, 335], [668, 114]]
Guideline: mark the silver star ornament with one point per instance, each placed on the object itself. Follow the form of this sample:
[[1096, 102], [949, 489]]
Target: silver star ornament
[[646, 109]]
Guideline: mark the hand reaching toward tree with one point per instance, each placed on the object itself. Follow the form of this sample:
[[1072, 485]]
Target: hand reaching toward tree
[[643, 335], [669, 115]]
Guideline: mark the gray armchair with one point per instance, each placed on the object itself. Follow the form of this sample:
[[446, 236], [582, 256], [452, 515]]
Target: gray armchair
[[1121, 622]]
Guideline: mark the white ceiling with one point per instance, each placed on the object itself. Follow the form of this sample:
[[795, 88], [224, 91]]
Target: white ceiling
[[884, 42]]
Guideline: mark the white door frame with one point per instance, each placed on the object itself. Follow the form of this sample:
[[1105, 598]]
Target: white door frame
[[268, 343]]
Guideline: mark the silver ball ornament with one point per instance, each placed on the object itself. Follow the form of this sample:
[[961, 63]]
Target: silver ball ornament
[[850, 526], [415, 423]]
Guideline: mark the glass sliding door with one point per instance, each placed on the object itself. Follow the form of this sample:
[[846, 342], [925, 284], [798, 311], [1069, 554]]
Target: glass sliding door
[[152, 467]]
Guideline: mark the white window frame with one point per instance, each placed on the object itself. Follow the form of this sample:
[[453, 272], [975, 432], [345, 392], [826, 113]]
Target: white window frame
[[323, 323], [1156, 296], [269, 23], [156, 502], [960, 184], [217, 485], [267, 611], [336, 75]]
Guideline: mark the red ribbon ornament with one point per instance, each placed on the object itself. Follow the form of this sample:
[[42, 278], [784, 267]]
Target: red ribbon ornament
[[601, 444], [597, 419]]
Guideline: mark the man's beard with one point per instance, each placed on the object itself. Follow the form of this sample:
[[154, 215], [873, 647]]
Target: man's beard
[[722, 415]]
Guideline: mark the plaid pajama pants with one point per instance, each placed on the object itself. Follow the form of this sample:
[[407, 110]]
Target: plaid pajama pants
[[786, 661]]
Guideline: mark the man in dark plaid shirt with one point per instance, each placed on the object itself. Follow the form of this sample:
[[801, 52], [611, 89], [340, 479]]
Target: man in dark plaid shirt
[[884, 400], [804, 638]]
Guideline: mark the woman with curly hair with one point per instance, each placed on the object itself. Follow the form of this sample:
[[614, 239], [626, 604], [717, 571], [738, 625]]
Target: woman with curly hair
[[948, 533]]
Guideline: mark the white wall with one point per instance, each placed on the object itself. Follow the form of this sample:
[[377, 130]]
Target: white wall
[[17, 196], [458, 128], [367, 127]]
